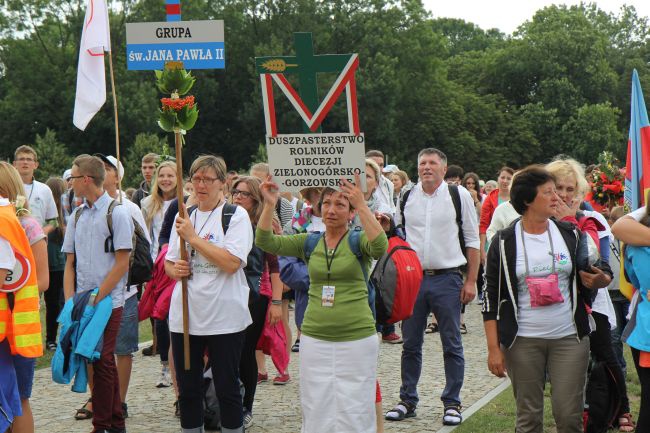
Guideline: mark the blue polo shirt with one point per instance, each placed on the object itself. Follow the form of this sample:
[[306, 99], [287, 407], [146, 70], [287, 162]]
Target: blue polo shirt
[[86, 239]]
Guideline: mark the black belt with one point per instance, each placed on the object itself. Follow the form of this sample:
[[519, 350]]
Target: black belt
[[432, 272]]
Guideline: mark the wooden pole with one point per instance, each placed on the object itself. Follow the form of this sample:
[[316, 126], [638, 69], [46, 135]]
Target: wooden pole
[[117, 128], [178, 142]]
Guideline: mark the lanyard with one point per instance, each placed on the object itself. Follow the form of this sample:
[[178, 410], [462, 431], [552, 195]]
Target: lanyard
[[192, 250], [550, 239], [206, 221], [31, 191], [329, 260]]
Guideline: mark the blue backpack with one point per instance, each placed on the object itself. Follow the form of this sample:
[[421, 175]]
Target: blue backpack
[[354, 241]]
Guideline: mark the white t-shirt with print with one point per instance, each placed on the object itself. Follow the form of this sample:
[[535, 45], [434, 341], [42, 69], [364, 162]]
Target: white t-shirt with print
[[41, 202], [552, 321], [218, 301]]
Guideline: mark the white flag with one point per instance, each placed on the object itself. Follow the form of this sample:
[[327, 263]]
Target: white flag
[[91, 79]]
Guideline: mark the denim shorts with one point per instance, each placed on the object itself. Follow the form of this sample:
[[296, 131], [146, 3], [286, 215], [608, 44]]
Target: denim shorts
[[127, 337], [24, 375]]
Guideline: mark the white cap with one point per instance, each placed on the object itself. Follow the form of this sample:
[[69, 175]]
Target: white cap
[[110, 159], [390, 168], [67, 174]]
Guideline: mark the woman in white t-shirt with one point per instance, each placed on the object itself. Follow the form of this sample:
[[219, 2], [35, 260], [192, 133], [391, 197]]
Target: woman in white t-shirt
[[154, 206], [534, 306], [217, 296]]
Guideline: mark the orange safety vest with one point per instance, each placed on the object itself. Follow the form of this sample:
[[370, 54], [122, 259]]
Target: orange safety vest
[[21, 325]]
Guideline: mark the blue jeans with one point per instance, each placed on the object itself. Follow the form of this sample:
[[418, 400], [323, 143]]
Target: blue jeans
[[439, 294], [621, 308]]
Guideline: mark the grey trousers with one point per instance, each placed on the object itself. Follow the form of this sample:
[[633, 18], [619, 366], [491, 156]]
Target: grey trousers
[[566, 360]]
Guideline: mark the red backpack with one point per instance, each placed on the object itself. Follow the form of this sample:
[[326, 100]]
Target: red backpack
[[396, 278]]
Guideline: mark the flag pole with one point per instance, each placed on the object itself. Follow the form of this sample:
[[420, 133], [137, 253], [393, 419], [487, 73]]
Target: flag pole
[[178, 145], [117, 127]]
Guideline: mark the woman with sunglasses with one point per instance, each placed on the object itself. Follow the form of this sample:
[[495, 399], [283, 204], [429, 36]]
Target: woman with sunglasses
[[217, 297], [338, 346], [264, 276]]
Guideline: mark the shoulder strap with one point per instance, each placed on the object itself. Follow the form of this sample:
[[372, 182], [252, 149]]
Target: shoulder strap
[[455, 198], [108, 243], [226, 215], [77, 214], [402, 206], [109, 216], [310, 244], [278, 206], [354, 240]]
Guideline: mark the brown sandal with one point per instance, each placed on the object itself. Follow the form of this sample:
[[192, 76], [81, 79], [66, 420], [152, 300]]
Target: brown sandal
[[625, 423], [84, 413]]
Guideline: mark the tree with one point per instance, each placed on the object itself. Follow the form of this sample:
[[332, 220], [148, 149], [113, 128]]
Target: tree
[[53, 156], [143, 144], [591, 130]]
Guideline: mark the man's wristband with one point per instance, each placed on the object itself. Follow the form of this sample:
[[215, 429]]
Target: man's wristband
[[276, 302]]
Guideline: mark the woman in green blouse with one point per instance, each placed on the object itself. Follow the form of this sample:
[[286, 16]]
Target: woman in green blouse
[[338, 347]]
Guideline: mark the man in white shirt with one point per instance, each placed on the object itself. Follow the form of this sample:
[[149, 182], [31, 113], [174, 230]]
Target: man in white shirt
[[386, 189], [39, 195], [127, 336], [429, 219]]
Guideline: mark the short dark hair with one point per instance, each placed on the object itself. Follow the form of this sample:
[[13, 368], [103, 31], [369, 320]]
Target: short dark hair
[[376, 153], [327, 192], [454, 171], [91, 166], [433, 151], [524, 187], [506, 169]]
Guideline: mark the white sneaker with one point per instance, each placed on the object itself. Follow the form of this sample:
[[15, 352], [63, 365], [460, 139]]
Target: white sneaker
[[165, 380]]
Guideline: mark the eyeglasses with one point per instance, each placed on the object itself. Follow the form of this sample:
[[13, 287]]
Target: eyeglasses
[[81, 175], [236, 192], [25, 159], [207, 181]]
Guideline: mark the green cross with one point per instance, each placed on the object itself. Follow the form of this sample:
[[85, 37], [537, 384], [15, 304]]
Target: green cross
[[306, 65]]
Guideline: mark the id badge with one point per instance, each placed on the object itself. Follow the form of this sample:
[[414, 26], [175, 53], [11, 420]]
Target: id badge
[[327, 298]]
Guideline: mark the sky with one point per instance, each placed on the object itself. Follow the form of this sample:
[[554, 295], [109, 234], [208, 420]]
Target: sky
[[507, 15]]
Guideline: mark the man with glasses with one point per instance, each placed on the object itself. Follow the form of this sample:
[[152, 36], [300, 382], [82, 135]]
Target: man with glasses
[[95, 262], [39, 195]]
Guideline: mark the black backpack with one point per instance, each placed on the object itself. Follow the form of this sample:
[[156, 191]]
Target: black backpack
[[255, 260], [140, 261], [211, 411], [602, 399]]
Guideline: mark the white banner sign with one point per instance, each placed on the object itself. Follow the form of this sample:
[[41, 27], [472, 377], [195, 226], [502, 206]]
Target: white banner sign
[[300, 161]]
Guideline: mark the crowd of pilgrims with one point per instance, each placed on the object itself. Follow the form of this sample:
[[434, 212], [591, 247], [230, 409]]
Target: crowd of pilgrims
[[540, 256]]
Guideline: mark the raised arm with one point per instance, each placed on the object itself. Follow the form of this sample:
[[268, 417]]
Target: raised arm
[[369, 221], [631, 232]]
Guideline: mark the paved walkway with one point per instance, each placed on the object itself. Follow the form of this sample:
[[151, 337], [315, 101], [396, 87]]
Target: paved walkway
[[277, 408]]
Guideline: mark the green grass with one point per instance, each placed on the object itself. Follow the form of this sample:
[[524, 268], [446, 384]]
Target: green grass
[[45, 360], [498, 416]]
